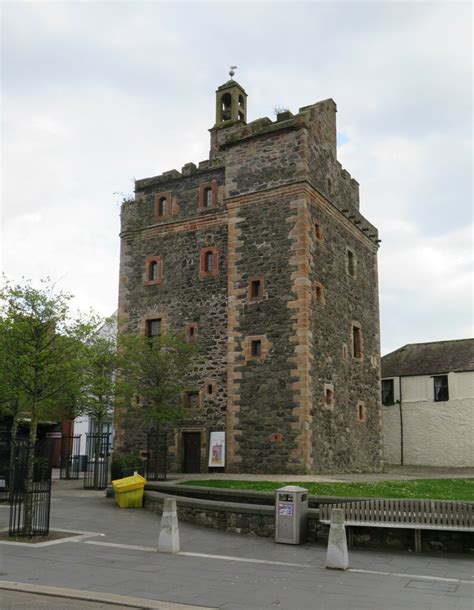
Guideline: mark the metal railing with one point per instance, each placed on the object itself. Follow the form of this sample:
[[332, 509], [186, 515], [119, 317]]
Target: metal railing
[[156, 461], [30, 501], [97, 468], [70, 458]]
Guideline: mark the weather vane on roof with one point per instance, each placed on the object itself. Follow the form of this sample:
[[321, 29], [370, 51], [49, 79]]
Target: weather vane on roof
[[232, 70]]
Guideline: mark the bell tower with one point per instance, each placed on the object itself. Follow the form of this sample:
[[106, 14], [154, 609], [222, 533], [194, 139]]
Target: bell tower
[[231, 104]]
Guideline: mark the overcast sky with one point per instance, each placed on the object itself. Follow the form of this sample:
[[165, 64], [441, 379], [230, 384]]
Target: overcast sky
[[97, 94]]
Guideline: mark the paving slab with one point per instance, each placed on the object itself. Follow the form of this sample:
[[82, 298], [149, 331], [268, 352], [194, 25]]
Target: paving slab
[[202, 576]]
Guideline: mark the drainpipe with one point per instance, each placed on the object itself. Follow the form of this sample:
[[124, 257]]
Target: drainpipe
[[401, 419]]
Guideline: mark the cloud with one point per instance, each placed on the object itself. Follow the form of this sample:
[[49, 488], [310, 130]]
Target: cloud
[[95, 94]]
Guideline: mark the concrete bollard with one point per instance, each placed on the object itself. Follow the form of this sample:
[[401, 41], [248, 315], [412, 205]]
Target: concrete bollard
[[337, 557], [168, 540]]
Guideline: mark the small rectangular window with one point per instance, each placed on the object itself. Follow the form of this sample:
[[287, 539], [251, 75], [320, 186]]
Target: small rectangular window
[[350, 263], [208, 197], [192, 332], [387, 392], [319, 294], [329, 397], [162, 206], [256, 347], [153, 330], [361, 415], [356, 342], [191, 399], [318, 231], [441, 389], [255, 289]]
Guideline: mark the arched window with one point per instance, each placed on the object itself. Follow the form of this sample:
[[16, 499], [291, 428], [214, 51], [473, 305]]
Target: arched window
[[226, 109], [153, 270], [208, 262]]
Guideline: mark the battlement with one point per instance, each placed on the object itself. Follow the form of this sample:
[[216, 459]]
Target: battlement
[[290, 148], [172, 175]]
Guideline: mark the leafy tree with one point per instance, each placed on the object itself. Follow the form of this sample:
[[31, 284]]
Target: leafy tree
[[98, 385], [152, 372], [42, 349], [98, 379], [10, 388]]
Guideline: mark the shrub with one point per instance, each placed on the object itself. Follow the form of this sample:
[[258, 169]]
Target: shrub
[[123, 464]]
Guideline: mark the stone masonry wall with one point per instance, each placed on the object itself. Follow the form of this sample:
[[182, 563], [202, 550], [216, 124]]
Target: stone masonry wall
[[341, 441], [286, 214], [182, 297], [262, 391]]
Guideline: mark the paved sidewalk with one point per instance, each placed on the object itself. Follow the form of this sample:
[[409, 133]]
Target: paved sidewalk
[[219, 570], [392, 473]]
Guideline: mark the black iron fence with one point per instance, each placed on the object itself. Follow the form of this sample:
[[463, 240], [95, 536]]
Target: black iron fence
[[70, 458], [156, 462], [5, 457], [30, 501], [97, 467]]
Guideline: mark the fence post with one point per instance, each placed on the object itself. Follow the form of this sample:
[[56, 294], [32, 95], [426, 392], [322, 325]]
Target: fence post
[[168, 540], [337, 557]]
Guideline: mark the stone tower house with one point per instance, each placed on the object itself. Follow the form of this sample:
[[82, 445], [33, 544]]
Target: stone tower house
[[260, 254]]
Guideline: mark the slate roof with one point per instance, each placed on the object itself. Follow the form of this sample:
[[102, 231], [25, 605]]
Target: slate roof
[[430, 358]]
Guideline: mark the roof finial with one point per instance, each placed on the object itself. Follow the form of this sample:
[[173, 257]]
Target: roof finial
[[232, 70]]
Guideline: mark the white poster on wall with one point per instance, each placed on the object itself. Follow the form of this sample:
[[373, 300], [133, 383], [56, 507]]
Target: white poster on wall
[[217, 449]]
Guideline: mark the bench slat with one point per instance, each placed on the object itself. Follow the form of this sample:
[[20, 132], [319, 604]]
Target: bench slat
[[423, 514]]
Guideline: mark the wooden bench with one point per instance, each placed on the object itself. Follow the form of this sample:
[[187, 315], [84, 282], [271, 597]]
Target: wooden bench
[[407, 514]]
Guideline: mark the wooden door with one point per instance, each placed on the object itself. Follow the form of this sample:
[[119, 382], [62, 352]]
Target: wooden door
[[191, 452]]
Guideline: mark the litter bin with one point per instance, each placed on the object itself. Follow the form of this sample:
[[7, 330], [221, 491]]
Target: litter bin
[[291, 515], [129, 491]]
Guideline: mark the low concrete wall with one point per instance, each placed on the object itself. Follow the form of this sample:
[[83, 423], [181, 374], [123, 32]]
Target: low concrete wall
[[234, 517], [258, 519]]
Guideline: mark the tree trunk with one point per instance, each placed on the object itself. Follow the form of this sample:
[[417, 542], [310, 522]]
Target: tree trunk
[[29, 483], [13, 432]]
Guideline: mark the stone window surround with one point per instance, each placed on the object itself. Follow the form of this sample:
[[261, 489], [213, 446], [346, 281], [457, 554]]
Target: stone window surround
[[209, 383], [264, 348], [276, 437], [148, 261], [202, 262], [328, 388], [253, 278], [186, 398], [212, 184], [167, 196], [192, 338], [360, 357], [318, 231], [153, 316], [350, 253], [321, 300], [361, 412]]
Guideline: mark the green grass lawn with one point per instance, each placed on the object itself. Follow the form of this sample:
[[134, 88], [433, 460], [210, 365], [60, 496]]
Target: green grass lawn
[[430, 489]]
